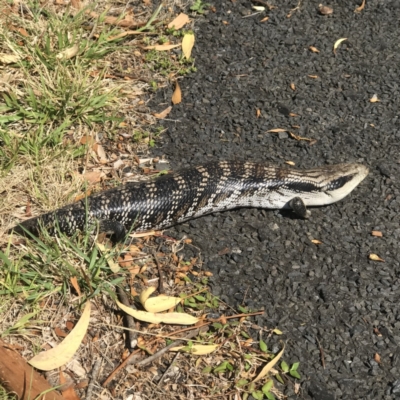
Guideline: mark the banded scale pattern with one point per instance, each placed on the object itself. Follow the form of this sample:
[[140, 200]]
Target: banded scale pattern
[[193, 192]]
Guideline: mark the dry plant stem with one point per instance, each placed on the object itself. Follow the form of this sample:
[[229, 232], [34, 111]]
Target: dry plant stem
[[160, 276], [95, 373], [17, 376], [165, 349], [127, 361], [321, 352], [169, 367], [130, 322]]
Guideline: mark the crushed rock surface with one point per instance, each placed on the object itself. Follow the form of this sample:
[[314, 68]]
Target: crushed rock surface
[[330, 294]]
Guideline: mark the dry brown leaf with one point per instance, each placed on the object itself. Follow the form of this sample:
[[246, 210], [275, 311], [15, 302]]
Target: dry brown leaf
[[277, 130], [258, 113], [375, 257], [377, 358], [337, 44], [293, 115], [68, 393], [9, 58], [61, 354], [164, 113], [374, 99], [100, 152], [225, 22], [187, 44], [23, 32], [146, 294], [313, 76], [265, 19], [325, 10], [162, 47], [92, 176], [360, 8], [68, 53], [87, 139], [269, 366], [180, 21], [177, 96], [198, 349], [74, 283], [292, 86], [314, 49], [316, 241], [76, 4], [377, 233], [168, 318]]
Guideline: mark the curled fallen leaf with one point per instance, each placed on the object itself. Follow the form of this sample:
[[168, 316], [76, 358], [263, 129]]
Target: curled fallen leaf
[[325, 10], [277, 130], [375, 257], [316, 241], [68, 53], [337, 44], [360, 8], [187, 44], [180, 21], [164, 113], [269, 366], [177, 95], [61, 354], [374, 99], [377, 233]]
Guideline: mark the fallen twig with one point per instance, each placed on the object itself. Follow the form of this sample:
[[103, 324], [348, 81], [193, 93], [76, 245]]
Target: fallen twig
[[95, 373], [130, 322], [159, 353]]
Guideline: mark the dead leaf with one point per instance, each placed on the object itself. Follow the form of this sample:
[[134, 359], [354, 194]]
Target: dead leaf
[[61, 354], [316, 241], [314, 49], [375, 257], [290, 163], [109, 257], [297, 137], [198, 349], [269, 366], [374, 99], [377, 358], [258, 8], [76, 4], [187, 44], [258, 113], [177, 96], [277, 130], [377, 233], [265, 19], [337, 44], [162, 47], [292, 86], [99, 149], [293, 115], [74, 283], [92, 176], [360, 8], [225, 22], [277, 331], [126, 261], [9, 58], [158, 303], [168, 318], [325, 10], [68, 393], [68, 53], [180, 21], [23, 32], [164, 113], [313, 76]]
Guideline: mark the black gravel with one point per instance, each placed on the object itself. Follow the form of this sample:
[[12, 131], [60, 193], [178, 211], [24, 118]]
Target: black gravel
[[330, 292]]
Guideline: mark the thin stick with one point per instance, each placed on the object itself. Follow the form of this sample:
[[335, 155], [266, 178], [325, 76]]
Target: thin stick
[[160, 276], [165, 349], [321, 352], [169, 367], [95, 373], [130, 322]]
